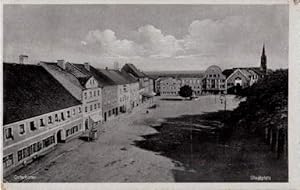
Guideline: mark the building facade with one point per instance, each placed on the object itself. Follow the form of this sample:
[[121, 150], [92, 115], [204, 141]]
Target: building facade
[[75, 77], [194, 83], [38, 113], [170, 86], [213, 81]]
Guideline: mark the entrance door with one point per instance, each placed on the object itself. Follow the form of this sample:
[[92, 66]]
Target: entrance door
[[105, 116], [59, 136], [86, 124]]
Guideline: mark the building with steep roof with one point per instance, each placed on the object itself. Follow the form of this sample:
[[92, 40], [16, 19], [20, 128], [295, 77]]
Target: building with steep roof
[[145, 83], [88, 89], [38, 113]]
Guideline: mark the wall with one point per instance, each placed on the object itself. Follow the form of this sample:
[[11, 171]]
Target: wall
[[62, 124]]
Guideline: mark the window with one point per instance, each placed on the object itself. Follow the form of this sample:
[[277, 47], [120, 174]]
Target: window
[[79, 110], [42, 123], [21, 129], [68, 114], [94, 93], [62, 116], [50, 119], [8, 161], [48, 141], [91, 107], [8, 133], [91, 94], [56, 118], [95, 106], [98, 92], [86, 109], [99, 105], [73, 112], [32, 126], [85, 95]]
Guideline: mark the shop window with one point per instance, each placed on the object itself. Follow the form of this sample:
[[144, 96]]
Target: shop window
[[8, 161]]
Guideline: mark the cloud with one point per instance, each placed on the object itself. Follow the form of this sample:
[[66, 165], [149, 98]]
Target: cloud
[[109, 45], [155, 44], [213, 40], [148, 42]]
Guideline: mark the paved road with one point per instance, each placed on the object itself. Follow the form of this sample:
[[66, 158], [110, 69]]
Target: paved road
[[113, 157]]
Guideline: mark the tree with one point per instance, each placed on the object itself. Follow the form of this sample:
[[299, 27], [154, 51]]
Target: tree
[[185, 91]]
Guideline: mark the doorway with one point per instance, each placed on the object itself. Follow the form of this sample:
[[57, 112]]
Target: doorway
[[59, 136]]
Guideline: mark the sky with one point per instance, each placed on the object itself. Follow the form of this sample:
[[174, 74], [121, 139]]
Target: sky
[[153, 37]]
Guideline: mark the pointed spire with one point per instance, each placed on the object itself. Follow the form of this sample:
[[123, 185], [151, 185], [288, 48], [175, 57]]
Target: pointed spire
[[263, 51]]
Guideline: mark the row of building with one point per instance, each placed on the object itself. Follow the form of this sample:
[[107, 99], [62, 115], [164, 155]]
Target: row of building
[[213, 80], [52, 102]]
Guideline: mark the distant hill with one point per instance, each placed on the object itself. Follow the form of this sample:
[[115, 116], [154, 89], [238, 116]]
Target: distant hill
[[177, 74]]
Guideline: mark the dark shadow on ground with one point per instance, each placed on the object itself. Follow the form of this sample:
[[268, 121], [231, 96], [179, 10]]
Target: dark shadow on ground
[[206, 150]]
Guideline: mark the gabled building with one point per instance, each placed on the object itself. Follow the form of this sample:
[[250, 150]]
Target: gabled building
[[74, 79], [133, 90], [123, 89], [239, 78], [145, 84], [38, 113]]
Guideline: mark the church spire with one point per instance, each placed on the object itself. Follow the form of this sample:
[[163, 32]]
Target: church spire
[[263, 61]]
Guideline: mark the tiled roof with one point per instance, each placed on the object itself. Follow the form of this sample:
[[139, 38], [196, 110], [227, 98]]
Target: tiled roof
[[133, 70], [53, 67], [129, 76], [29, 91], [102, 79], [227, 72]]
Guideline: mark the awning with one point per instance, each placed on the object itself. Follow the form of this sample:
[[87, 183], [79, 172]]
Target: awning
[[96, 117]]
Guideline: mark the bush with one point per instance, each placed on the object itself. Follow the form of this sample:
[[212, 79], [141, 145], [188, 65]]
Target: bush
[[185, 91]]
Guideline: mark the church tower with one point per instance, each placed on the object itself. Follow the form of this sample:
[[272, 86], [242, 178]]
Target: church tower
[[263, 61]]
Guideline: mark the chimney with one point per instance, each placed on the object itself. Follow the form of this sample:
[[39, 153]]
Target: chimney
[[61, 63], [23, 59], [116, 65], [87, 66]]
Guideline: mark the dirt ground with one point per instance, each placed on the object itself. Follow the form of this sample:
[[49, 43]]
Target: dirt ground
[[116, 157]]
